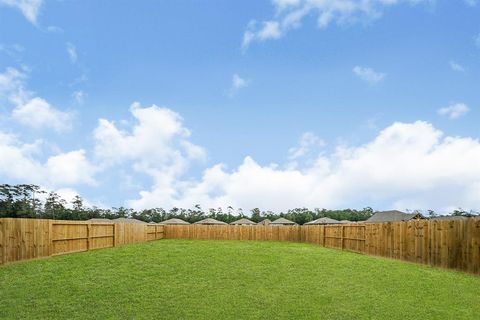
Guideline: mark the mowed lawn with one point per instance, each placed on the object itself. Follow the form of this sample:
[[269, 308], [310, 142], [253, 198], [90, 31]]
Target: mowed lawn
[[184, 279]]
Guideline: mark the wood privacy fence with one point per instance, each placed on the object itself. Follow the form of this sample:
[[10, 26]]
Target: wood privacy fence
[[22, 239], [451, 244]]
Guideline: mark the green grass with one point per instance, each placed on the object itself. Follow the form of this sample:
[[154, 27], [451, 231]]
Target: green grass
[[179, 279]]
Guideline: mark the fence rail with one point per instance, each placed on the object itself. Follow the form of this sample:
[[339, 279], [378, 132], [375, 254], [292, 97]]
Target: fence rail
[[22, 239], [451, 244]]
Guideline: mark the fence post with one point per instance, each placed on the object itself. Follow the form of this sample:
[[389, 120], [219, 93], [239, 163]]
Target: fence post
[[50, 237], [343, 236], [324, 230], [3, 241], [88, 236], [114, 235]]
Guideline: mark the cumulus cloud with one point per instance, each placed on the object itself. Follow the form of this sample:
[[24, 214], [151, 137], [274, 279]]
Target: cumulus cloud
[[456, 66], [29, 8], [290, 13], [454, 111], [368, 74], [29, 109], [408, 165], [38, 113], [156, 145], [19, 162]]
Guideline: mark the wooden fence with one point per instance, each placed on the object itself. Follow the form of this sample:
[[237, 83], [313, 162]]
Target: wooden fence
[[22, 239], [451, 244]]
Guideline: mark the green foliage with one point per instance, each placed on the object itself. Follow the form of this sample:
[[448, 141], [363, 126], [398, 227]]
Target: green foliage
[[28, 201]]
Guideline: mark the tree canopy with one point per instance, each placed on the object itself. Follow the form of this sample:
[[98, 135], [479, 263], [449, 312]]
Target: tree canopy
[[31, 201]]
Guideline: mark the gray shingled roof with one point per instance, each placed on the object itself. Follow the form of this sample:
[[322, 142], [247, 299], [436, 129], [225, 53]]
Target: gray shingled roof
[[243, 221], [450, 218], [100, 220], [128, 220], [174, 221], [265, 222], [393, 215], [282, 221], [209, 221], [324, 220]]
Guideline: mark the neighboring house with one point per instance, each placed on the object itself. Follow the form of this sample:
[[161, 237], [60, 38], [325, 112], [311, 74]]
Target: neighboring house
[[210, 221], [265, 222], [100, 220], [449, 218], [174, 221], [128, 220], [282, 222], [393, 216], [323, 220], [243, 222]]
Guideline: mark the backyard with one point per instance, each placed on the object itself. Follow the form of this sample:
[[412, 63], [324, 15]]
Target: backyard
[[196, 279]]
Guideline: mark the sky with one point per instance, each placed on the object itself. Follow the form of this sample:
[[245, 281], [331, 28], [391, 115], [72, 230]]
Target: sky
[[271, 104]]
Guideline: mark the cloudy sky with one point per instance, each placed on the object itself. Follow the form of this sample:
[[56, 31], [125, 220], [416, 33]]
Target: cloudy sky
[[271, 104]]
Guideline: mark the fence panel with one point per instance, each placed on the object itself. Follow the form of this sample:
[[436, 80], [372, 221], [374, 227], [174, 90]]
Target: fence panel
[[22, 239]]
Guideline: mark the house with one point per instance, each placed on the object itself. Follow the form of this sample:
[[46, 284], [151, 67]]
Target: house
[[393, 216], [100, 220], [264, 222], [210, 221], [174, 221], [323, 220], [243, 222], [128, 220], [449, 218], [282, 222]]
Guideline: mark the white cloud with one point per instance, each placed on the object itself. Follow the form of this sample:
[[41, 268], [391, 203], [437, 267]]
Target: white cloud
[[290, 13], [368, 74], [18, 163], [408, 165], [454, 111], [29, 8], [29, 109], [237, 84], [38, 113], [71, 168], [456, 66], [72, 52], [12, 85], [157, 144]]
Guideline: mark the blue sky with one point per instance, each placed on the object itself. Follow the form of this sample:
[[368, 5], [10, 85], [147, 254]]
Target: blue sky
[[270, 104]]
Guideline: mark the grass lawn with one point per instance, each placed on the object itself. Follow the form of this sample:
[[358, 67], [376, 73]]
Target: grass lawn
[[178, 279]]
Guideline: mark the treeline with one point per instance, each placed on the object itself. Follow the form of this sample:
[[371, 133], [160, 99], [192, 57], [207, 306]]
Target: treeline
[[30, 201]]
